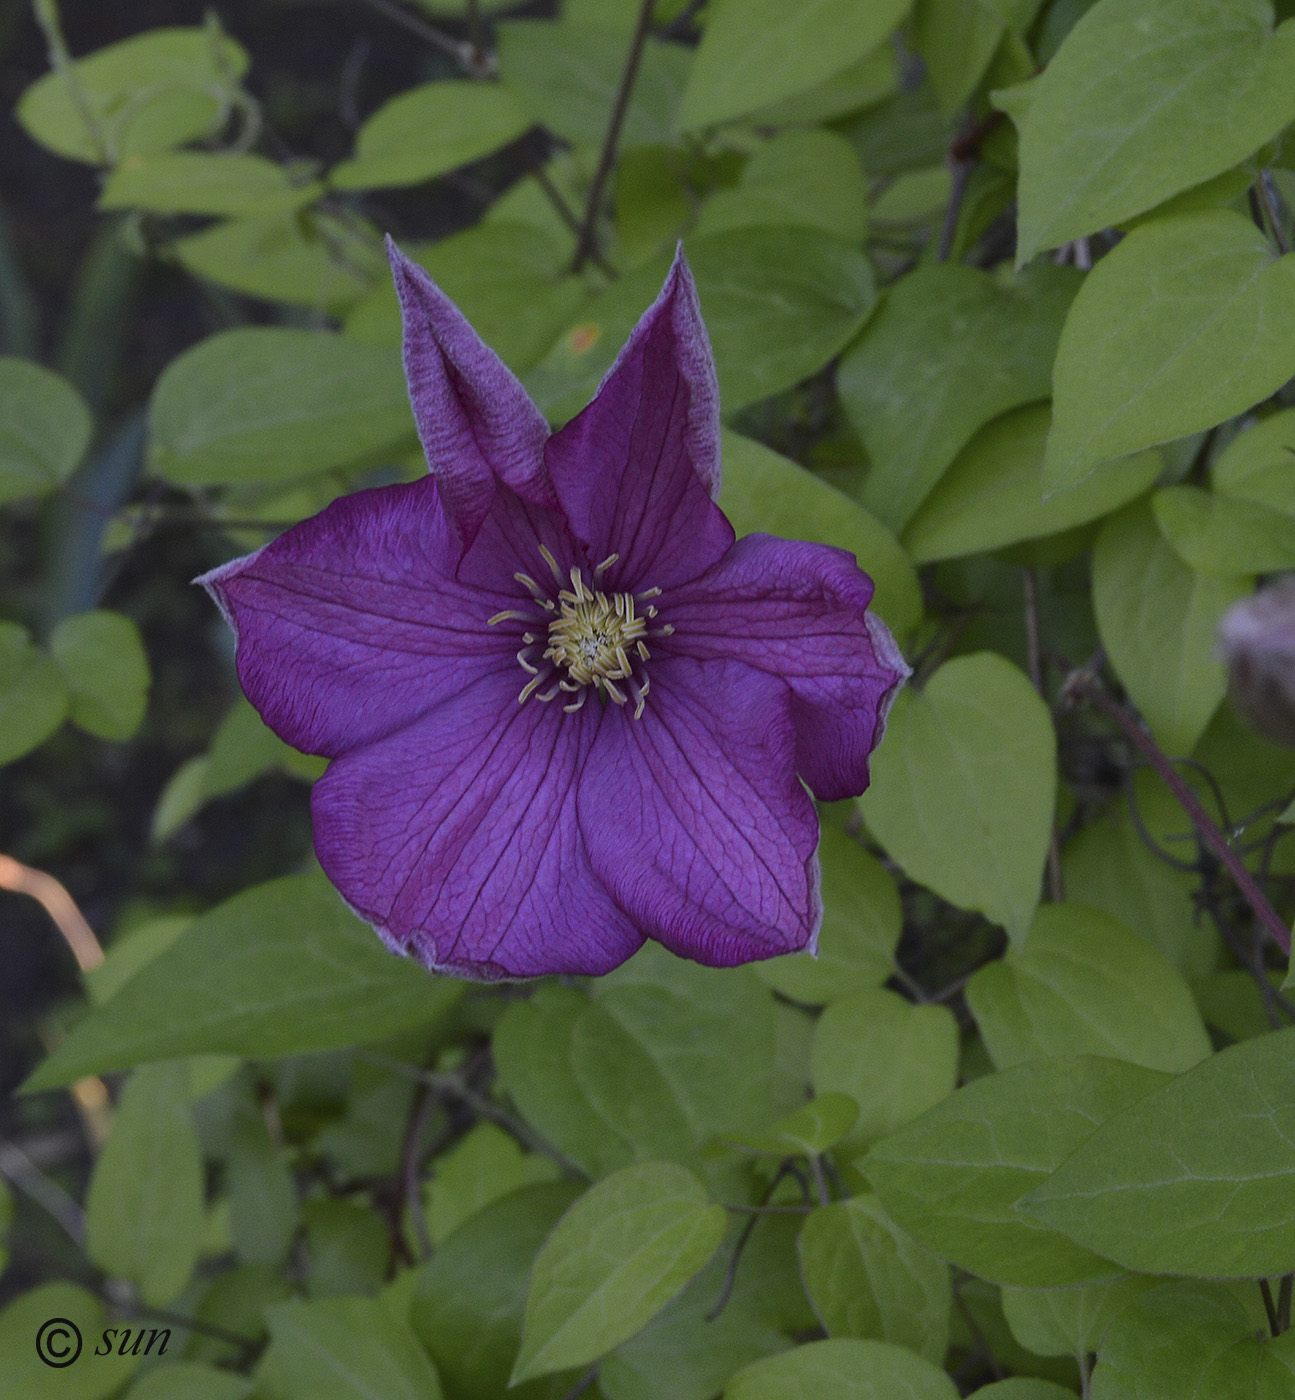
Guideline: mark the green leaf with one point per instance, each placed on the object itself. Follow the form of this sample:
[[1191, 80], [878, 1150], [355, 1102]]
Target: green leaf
[[102, 660], [129, 950], [1192, 1341], [532, 1048], [871, 80], [949, 349], [428, 131], [906, 132], [510, 280], [45, 429], [469, 1298], [263, 1210], [144, 1214], [1189, 321], [1141, 101], [1221, 535], [697, 1043], [957, 39], [33, 695], [652, 205], [279, 969], [894, 1059], [866, 1278], [622, 1251], [914, 198], [25, 1376], [189, 1380], [1197, 1179], [1157, 619], [763, 490], [778, 303], [805, 1131], [993, 495], [566, 75], [242, 748], [1084, 983], [861, 927], [144, 95], [485, 1164], [810, 177], [343, 1349], [203, 182], [1259, 464], [1023, 1388], [686, 1353], [313, 260], [962, 789], [349, 1247], [1069, 1321], [755, 52], [268, 405], [1110, 866], [953, 1178], [1231, 1002], [842, 1369]]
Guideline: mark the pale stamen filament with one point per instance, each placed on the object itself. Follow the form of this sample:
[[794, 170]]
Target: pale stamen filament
[[600, 569], [551, 562]]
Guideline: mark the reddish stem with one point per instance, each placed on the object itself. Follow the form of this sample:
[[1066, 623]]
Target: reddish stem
[[1083, 684]]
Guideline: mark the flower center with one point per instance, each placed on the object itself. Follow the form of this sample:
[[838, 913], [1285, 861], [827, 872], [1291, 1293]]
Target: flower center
[[593, 638]]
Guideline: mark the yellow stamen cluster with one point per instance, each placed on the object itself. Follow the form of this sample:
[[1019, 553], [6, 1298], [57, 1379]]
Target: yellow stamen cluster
[[593, 633], [593, 638]]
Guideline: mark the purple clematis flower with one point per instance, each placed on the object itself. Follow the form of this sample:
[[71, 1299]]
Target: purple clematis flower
[[566, 709]]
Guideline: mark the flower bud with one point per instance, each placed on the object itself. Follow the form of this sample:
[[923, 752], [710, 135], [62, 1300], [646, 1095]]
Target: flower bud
[[1257, 641]]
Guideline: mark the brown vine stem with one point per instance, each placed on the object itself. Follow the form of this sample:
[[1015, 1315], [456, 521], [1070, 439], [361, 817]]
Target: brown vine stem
[[90, 1094], [52, 895], [1083, 683], [587, 241], [568, 217]]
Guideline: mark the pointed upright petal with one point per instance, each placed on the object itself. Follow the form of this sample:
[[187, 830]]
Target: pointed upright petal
[[477, 424], [457, 838], [637, 470], [353, 623], [798, 611], [695, 820]]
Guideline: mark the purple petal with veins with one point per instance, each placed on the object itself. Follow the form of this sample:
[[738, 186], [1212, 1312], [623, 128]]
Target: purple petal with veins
[[567, 711]]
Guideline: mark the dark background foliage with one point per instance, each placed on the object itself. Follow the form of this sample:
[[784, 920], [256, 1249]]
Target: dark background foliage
[[73, 297]]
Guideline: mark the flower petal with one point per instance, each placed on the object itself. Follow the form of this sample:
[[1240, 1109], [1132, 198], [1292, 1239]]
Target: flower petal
[[457, 838], [353, 624], [695, 820], [798, 611], [636, 471], [477, 424]]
